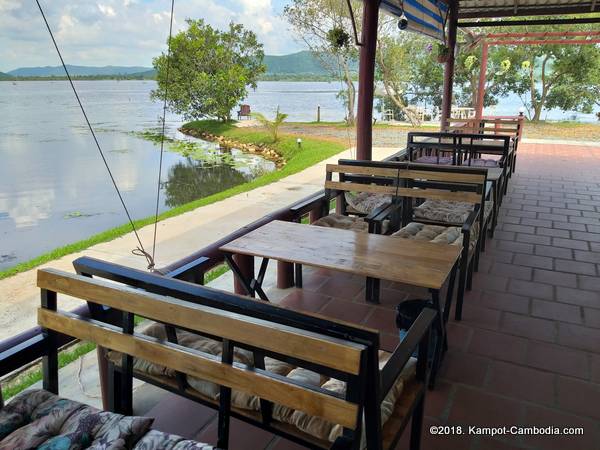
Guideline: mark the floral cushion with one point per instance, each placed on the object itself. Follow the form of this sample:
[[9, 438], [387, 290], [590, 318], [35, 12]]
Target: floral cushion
[[49, 422], [437, 234], [312, 425], [353, 223], [443, 160], [365, 202], [448, 211], [157, 440], [481, 162]]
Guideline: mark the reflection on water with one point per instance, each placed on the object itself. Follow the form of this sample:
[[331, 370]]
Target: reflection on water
[[54, 189]]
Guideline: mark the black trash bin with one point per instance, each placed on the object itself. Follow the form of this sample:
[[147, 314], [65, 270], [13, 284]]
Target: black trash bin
[[406, 314]]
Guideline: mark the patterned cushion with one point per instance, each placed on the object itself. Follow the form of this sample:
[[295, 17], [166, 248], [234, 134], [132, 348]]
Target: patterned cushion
[[185, 339], [51, 422], [437, 234], [481, 162], [365, 202], [448, 211], [352, 223], [342, 222], [157, 440], [442, 160], [312, 425]]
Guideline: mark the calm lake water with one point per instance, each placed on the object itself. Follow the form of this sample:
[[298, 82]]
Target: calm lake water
[[54, 189]]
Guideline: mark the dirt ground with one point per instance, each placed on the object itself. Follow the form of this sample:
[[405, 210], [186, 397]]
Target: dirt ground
[[395, 135]]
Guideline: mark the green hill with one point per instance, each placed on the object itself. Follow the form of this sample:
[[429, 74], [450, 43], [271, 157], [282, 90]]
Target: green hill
[[4, 76], [303, 62]]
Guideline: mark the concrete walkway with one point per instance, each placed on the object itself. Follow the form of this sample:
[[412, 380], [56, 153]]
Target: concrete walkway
[[177, 237]]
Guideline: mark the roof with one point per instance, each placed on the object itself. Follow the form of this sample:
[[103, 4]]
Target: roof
[[511, 8]]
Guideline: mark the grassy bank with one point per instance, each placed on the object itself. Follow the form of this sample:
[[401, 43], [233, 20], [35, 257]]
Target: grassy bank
[[312, 151]]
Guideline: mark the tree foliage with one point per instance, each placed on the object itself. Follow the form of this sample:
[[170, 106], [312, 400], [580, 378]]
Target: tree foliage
[[325, 27], [209, 70]]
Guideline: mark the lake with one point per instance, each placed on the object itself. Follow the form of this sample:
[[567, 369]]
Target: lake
[[54, 189]]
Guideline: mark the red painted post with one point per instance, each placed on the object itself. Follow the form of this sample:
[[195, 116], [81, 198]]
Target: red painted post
[[449, 67], [481, 86], [366, 81], [246, 265], [285, 275]]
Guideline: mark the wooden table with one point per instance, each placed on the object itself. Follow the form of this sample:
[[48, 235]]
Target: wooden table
[[416, 263]]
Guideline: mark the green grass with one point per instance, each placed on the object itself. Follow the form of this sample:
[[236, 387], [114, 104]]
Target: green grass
[[64, 358], [312, 151]]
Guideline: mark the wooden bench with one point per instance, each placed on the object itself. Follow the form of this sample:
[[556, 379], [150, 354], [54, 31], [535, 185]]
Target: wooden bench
[[507, 126], [459, 194], [349, 407]]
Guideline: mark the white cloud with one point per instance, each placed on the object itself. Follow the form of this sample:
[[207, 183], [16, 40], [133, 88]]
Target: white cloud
[[107, 10], [88, 33]]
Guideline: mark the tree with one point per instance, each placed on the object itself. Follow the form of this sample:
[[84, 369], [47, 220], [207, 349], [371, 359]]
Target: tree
[[271, 125], [396, 54], [325, 27], [557, 76], [209, 70]]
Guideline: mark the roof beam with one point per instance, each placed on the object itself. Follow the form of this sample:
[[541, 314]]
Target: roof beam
[[514, 23], [508, 11]]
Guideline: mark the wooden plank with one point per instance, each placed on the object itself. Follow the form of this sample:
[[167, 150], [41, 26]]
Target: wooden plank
[[363, 170], [305, 345], [404, 171], [417, 263], [437, 194], [195, 364], [361, 187]]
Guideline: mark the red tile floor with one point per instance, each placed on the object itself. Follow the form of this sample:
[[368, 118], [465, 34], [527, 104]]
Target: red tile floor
[[527, 352]]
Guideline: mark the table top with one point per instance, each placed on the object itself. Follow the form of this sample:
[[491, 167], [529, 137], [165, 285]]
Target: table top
[[416, 263]]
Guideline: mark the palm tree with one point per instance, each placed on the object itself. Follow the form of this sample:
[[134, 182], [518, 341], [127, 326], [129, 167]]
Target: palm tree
[[271, 125]]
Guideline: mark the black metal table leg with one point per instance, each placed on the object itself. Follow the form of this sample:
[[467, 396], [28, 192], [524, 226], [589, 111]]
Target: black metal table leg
[[372, 290], [442, 342], [253, 285]]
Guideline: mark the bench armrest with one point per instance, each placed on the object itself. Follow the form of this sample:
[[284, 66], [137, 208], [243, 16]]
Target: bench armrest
[[393, 367], [473, 216]]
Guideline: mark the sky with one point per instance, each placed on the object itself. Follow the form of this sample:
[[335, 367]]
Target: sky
[[124, 32]]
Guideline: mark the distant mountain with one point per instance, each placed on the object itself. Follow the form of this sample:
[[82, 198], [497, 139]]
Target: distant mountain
[[301, 65], [4, 76], [77, 71], [303, 62]]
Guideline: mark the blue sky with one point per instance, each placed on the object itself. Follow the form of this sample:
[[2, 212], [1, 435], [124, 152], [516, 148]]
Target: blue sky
[[124, 32]]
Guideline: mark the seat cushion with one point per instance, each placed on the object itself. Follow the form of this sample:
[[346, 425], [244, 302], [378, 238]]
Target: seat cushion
[[49, 422], [482, 162], [442, 160], [432, 233], [342, 222], [157, 440], [365, 202], [448, 211], [315, 426]]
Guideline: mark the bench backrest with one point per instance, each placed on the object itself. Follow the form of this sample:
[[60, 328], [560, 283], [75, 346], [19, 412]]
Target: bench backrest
[[408, 180], [461, 146], [245, 110], [511, 126], [344, 358]]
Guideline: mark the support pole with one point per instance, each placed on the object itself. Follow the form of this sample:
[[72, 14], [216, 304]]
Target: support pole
[[246, 265], [449, 67], [366, 80], [481, 86]]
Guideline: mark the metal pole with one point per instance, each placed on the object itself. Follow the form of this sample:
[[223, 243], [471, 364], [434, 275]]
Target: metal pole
[[318, 113], [449, 68], [366, 81], [481, 86]]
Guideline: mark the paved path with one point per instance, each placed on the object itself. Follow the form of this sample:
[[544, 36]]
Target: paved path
[[177, 237]]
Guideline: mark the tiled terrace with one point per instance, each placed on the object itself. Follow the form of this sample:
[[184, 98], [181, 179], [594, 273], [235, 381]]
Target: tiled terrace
[[527, 351]]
